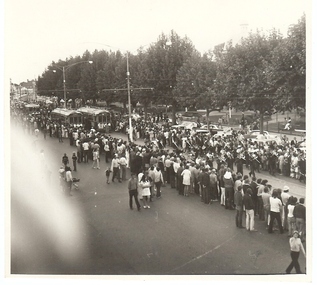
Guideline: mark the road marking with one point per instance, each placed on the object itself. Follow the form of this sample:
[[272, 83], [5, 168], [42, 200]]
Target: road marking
[[204, 254]]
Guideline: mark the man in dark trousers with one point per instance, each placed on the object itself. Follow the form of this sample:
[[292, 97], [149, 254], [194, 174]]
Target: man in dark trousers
[[239, 206], [74, 158], [65, 159], [254, 187], [133, 192], [249, 210], [180, 185], [205, 186], [300, 217]]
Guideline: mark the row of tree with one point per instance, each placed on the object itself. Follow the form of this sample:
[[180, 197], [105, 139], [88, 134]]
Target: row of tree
[[264, 72]]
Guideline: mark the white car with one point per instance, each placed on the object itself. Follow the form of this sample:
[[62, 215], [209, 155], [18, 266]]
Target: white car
[[256, 135], [211, 127]]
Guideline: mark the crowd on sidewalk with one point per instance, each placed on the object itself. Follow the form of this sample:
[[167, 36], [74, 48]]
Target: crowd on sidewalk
[[191, 163]]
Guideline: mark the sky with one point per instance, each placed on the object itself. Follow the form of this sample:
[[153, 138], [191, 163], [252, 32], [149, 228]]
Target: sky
[[38, 32]]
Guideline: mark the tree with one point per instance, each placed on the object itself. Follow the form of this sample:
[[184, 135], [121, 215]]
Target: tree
[[241, 74], [195, 82], [164, 60], [287, 70]]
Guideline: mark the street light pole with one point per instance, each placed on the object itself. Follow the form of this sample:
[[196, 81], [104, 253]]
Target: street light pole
[[129, 100], [63, 69], [64, 85]]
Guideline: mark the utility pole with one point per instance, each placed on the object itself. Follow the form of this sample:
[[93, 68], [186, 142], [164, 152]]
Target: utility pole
[[129, 96]]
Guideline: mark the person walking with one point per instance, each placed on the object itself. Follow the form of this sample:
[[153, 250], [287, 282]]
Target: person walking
[[296, 246], [275, 210], [133, 191], [249, 210]]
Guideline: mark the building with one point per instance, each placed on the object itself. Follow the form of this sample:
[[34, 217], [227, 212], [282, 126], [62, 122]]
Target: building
[[25, 91]]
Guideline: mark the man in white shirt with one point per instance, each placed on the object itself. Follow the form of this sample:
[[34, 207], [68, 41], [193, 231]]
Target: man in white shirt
[[69, 180], [275, 206], [123, 167], [167, 164], [115, 168], [285, 196], [86, 150]]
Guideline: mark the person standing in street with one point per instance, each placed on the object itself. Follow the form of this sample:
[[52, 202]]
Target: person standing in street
[[205, 186], [266, 205], [275, 211], [290, 216], [85, 151], [123, 167], [249, 210], [296, 246], [145, 184], [74, 159], [238, 201], [285, 196], [107, 172], [65, 159], [133, 191], [300, 217], [228, 184], [180, 185], [221, 173], [69, 181], [95, 158], [158, 181], [78, 147], [213, 185], [186, 180], [115, 168], [107, 151]]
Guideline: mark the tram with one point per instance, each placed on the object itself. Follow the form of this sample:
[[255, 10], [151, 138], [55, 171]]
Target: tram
[[95, 115], [72, 117]]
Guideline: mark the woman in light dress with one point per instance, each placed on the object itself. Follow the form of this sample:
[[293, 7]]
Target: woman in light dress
[[145, 184]]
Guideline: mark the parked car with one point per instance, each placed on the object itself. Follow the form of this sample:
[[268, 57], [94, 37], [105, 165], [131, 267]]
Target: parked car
[[225, 132], [213, 129], [256, 135]]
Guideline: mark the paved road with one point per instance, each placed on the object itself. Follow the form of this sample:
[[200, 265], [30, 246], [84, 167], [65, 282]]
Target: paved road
[[94, 232]]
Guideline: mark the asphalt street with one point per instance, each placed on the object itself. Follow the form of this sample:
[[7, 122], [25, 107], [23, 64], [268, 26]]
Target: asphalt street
[[94, 232]]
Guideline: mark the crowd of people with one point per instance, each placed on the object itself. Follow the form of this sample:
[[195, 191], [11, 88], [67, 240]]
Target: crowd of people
[[192, 163]]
